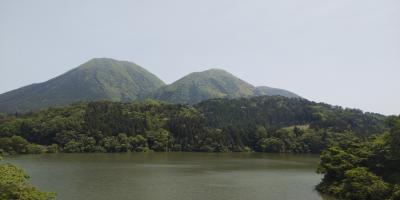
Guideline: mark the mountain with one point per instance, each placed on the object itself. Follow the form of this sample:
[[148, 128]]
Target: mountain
[[198, 86], [211, 84], [99, 78], [109, 79], [264, 90]]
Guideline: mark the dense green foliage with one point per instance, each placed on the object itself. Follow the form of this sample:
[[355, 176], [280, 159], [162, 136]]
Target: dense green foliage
[[211, 84], [14, 185], [268, 124], [96, 79], [18, 145], [368, 170], [277, 112]]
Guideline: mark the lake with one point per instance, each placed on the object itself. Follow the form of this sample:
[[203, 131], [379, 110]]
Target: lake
[[174, 176]]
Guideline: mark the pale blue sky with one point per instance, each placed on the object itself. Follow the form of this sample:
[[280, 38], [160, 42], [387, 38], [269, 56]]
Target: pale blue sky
[[342, 52]]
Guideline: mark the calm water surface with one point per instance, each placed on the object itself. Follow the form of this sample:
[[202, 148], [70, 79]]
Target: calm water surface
[[174, 176]]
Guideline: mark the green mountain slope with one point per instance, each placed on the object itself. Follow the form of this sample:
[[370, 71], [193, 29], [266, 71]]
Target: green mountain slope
[[109, 79], [264, 90], [99, 78], [211, 84]]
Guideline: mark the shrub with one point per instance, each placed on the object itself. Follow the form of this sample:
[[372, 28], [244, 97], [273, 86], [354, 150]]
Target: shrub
[[35, 149], [14, 185], [359, 183]]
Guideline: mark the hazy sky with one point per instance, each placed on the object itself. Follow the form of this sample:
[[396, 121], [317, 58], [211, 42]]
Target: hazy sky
[[342, 52]]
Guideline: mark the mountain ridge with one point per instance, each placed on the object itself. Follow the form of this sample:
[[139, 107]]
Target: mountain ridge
[[89, 81], [213, 83], [115, 80], [198, 86]]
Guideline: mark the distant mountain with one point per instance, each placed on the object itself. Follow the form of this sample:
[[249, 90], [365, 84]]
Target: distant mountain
[[198, 86], [269, 91], [99, 78], [211, 84], [109, 79]]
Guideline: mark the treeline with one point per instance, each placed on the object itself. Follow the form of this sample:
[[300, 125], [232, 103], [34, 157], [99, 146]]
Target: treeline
[[270, 124], [277, 112], [367, 170]]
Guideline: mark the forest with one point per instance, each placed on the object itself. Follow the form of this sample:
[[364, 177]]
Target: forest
[[263, 124], [367, 169]]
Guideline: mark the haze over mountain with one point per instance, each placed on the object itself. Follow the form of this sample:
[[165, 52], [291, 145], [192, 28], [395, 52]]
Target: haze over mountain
[[109, 79]]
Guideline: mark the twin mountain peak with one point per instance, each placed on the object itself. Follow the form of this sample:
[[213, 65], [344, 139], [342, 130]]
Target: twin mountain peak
[[109, 79]]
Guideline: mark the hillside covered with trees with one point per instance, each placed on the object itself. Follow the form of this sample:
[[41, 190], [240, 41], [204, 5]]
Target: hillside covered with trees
[[364, 169], [264, 124]]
